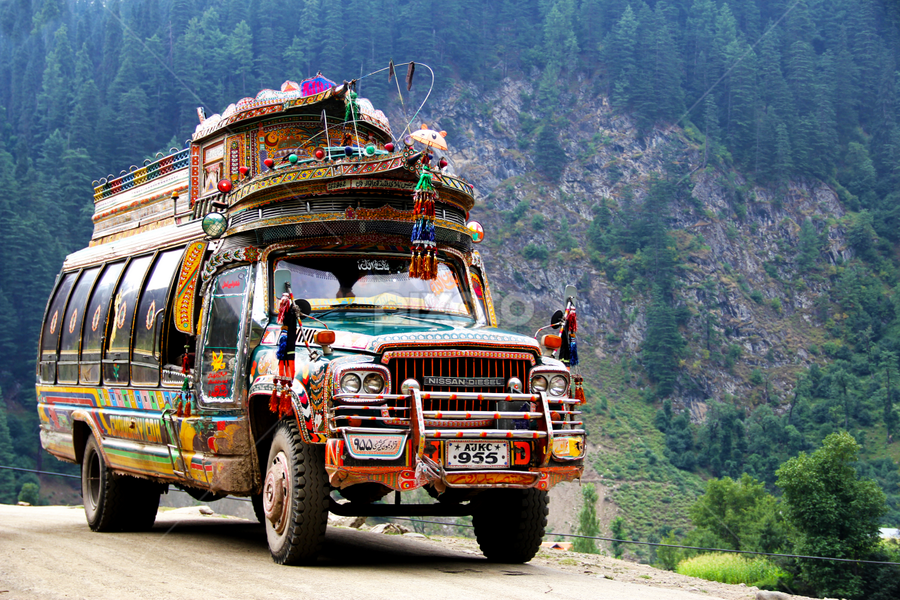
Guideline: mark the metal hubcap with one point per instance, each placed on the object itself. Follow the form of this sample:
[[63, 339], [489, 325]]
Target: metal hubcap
[[93, 483], [276, 493]]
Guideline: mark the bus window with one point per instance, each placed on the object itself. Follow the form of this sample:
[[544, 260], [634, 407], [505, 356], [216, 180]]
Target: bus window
[[224, 330], [71, 327], [95, 323], [52, 325], [150, 321], [118, 337]]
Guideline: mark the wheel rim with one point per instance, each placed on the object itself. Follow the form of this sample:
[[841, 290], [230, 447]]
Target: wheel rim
[[277, 493], [93, 480]]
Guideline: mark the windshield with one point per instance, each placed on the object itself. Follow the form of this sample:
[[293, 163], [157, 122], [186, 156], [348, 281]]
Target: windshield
[[331, 282]]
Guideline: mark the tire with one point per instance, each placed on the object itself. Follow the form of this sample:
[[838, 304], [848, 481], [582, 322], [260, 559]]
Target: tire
[[115, 502], [295, 497], [258, 510], [509, 524]]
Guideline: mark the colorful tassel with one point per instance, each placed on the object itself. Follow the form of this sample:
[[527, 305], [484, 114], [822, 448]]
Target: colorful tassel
[[423, 263], [579, 390], [286, 407], [273, 399]]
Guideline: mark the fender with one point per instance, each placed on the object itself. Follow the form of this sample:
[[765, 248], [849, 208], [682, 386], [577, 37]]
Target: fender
[[88, 419], [303, 412]]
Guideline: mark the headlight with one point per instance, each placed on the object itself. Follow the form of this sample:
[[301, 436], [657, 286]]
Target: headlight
[[558, 385], [350, 383], [539, 384], [373, 383]]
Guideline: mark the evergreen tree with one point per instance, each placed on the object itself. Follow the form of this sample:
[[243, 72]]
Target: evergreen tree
[[587, 521], [7, 479]]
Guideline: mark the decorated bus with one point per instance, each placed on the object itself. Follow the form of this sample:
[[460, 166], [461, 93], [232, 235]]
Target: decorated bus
[[292, 309]]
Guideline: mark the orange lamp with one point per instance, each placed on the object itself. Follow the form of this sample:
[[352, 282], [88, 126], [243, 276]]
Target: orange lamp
[[551, 341]]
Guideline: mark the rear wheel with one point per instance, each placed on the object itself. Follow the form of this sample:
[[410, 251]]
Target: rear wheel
[[509, 524], [115, 502], [295, 497]]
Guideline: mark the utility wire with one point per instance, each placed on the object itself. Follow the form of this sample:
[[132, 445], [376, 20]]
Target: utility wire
[[572, 535], [607, 539]]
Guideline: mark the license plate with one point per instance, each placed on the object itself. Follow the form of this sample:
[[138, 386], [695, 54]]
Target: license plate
[[478, 455]]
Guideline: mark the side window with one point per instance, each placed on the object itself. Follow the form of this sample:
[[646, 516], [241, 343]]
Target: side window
[[151, 319], [95, 323], [118, 337], [52, 325], [71, 327], [224, 329]]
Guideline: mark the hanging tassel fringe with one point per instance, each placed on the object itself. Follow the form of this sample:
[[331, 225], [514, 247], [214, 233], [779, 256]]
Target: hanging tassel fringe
[[571, 328], [423, 262], [579, 390]]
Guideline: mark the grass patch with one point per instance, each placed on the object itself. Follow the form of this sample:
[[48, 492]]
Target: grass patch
[[732, 568]]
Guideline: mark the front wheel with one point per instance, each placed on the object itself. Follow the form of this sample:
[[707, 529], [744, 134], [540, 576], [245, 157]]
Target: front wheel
[[509, 524], [295, 497], [115, 502]]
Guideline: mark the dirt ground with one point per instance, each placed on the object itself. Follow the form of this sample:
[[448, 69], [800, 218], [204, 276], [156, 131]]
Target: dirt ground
[[620, 570]]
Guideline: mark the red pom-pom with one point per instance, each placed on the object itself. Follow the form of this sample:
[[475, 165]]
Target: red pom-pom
[[320, 154], [443, 163], [389, 147], [244, 171], [224, 186], [270, 163]]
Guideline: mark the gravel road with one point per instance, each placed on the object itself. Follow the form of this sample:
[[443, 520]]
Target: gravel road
[[49, 553]]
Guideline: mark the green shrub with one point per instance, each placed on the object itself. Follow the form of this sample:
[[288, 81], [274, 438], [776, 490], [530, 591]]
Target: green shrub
[[535, 252], [732, 568]]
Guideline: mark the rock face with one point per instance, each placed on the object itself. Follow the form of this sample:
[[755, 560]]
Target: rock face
[[737, 244]]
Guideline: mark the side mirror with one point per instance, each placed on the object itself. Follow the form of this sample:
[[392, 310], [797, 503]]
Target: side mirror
[[571, 294], [556, 319], [303, 305], [279, 279]]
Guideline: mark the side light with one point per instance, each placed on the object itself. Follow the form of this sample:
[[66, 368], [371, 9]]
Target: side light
[[551, 341], [325, 338]]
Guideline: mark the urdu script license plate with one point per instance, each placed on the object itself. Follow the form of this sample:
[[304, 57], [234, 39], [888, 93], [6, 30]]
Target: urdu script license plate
[[478, 455]]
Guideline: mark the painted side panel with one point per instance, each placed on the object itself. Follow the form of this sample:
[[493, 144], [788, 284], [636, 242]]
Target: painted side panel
[[215, 447]]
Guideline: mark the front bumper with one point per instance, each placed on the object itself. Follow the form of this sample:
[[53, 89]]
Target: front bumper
[[404, 439]]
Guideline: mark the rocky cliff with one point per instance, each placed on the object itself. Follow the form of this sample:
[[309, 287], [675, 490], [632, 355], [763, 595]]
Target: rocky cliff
[[751, 321]]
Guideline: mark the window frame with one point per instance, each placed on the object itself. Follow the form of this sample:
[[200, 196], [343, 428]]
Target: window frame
[[105, 359], [99, 362], [242, 347], [45, 367], [76, 363], [162, 332]]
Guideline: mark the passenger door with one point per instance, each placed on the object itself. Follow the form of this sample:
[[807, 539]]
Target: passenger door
[[222, 334]]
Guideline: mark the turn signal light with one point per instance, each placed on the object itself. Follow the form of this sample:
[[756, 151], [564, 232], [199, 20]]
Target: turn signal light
[[553, 342], [325, 338]]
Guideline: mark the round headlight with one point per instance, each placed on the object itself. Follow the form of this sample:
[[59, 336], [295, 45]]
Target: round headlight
[[558, 385], [539, 384], [350, 383], [373, 383]]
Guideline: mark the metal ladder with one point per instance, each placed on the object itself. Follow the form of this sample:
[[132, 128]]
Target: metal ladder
[[168, 423]]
